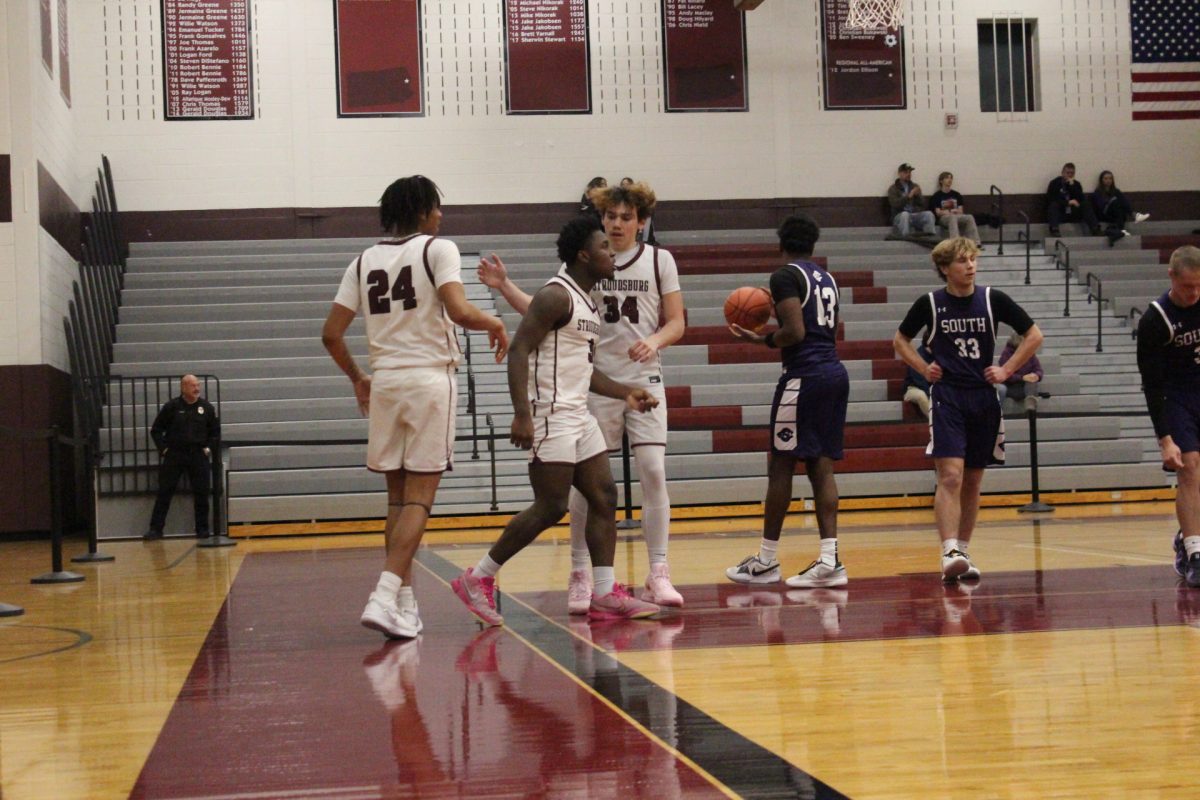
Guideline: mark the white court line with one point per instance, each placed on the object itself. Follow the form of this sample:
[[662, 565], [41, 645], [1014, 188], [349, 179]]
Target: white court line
[[1091, 552]]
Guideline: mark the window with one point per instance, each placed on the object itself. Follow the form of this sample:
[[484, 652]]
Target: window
[[1008, 65]]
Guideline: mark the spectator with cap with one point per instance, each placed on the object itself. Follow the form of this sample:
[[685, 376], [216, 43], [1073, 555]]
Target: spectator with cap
[[908, 206]]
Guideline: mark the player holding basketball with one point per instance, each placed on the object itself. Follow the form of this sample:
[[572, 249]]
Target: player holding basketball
[[556, 344], [642, 310], [808, 414], [966, 427], [412, 295], [1168, 354]]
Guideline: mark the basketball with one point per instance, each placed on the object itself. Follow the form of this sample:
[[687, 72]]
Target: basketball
[[749, 307]]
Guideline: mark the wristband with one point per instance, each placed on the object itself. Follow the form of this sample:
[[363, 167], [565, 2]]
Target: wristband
[[769, 340]]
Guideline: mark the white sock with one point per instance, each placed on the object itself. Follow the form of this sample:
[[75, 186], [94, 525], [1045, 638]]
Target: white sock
[[603, 579], [389, 584], [656, 504], [1191, 544], [948, 545], [406, 599], [580, 557], [829, 552], [486, 568], [767, 549]]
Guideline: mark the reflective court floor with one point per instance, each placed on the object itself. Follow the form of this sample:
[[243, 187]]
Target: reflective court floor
[[1070, 670]]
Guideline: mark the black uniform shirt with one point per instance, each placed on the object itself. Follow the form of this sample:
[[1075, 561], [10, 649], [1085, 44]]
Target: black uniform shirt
[[180, 425]]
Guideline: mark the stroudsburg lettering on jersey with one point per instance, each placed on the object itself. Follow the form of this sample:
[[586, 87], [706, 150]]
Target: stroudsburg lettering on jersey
[[622, 285]]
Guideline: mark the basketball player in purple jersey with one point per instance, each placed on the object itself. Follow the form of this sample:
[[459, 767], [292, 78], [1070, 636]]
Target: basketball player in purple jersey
[[550, 376], [808, 414], [410, 291], [1168, 354], [641, 307], [966, 427]]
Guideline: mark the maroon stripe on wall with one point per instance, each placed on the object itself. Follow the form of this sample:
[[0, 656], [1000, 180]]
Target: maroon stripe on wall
[[5, 187], [468, 220], [58, 214], [36, 396]]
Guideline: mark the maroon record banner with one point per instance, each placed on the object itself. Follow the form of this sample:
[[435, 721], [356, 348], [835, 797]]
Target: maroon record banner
[[378, 53], [47, 37], [863, 69], [547, 63], [206, 59], [64, 54], [704, 55]]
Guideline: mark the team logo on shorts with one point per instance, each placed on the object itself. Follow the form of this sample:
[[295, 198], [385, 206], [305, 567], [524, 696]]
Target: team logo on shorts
[[785, 435]]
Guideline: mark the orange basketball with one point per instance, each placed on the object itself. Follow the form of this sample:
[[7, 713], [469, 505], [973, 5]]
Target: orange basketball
[[749, 307]]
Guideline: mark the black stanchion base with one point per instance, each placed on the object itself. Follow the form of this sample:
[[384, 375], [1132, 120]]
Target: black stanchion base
[[219, 540], [1038, 506], [10, 611], [626, 524], [91, 558], [58, 577]]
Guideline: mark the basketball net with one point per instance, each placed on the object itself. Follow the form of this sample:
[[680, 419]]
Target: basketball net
[[874, 14]]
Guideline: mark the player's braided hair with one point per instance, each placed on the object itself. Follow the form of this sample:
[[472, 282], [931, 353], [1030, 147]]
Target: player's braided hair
[[638, 196], [574, 237], [798, 234], [406, 201]]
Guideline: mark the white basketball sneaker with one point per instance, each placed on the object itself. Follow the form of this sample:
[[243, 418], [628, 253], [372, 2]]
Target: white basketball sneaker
[[380, 615], [819, 575], [751, 570]]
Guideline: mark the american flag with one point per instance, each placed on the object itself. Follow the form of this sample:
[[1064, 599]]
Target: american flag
[[1166, 59]]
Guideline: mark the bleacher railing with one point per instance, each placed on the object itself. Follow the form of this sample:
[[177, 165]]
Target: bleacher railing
[[997, 212], [1062, 260], [1129, 317], [1023, 236], [1098, 296]]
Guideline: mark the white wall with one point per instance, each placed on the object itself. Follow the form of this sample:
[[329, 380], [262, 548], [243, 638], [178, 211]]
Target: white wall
[[298, 153], [35, 126]]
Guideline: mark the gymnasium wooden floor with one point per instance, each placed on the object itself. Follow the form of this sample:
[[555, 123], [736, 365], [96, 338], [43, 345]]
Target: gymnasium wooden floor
[[1070, 671]]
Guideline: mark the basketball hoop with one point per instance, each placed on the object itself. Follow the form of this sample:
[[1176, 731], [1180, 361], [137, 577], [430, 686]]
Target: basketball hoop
[[874, 15]]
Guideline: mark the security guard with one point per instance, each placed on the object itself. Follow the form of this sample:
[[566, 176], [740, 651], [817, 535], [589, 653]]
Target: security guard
[[186, 431]]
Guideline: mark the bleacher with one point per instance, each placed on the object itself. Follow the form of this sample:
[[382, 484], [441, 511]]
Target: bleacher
[[251, 313]]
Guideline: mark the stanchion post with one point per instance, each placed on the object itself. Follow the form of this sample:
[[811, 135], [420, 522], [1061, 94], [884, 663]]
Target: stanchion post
[[8, 610], [492, 456], [57, 574], [93, 555], [218, 538], [627, 484], [1035, 504]]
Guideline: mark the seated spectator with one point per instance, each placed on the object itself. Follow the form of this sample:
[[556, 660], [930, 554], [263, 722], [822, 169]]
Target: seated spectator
[[1112, 208], [1030, 372], [907, 205], [1065, 203], [947, 206], [916, 388], [585, 203], [646, 232]]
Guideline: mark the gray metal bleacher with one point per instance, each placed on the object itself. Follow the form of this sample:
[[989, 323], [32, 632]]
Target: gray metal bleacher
[[251, 312]]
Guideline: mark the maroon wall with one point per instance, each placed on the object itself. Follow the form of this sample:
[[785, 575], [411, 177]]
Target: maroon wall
[[319, 223], [5, 188], [32, 397]]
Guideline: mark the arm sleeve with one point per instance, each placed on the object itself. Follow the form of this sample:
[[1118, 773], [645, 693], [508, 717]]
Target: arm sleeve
[[214, 428], [919, 317], [1152, 334], [348, 293], [785, 283], [668, 273], [1005, 310], [445, 262], [158, 431]]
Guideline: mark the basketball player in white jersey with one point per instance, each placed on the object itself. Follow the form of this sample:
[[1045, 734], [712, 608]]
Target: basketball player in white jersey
[[410, 291], [550, 376], [642, 310]]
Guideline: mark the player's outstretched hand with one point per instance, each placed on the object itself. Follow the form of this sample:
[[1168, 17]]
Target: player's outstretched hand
[[1172, 456], [498, 339], [933, 373], [641, 400], [362, 393], [746, 335], [643, 350], [492, 273], [522, 431]]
